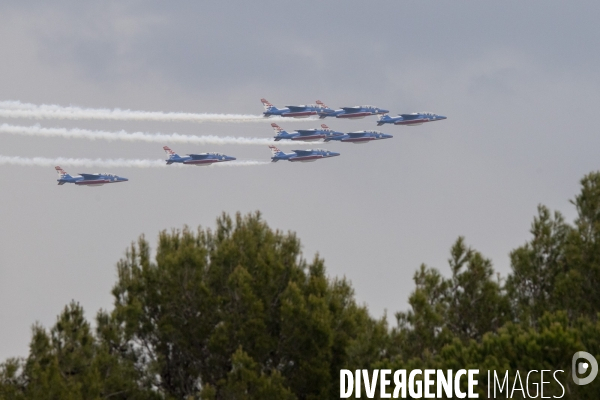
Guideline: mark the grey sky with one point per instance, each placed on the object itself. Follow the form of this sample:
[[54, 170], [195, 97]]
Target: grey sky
[[518, 81]]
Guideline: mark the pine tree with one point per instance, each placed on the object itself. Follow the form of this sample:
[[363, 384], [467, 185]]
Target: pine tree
[[242, 290]]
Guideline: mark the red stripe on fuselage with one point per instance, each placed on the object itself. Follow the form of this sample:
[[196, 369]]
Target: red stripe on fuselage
[[362, 139], [93, 182], [304, 158], [299, 114], [354, 115], [411, 121], [201, 162], [311, 137]]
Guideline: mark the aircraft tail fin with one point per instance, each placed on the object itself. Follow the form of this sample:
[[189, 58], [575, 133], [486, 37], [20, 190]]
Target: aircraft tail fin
[[321, 104], [382, 119], [61, 173], [172, 155], [170, 152], [266, 104], [325, 110], [278, 131], [275, 151], [277, 128]]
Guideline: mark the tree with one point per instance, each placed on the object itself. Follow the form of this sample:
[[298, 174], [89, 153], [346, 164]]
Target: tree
[[465, 306], [245, 291], [537, 267], [70, 362], [559, 268]]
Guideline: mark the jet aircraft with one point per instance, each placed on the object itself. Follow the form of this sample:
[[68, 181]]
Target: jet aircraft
[[87, 179], [349, 112], [359, 137], [290, 111], [303, 134], [410, 119], [300, 155], [196, 159]]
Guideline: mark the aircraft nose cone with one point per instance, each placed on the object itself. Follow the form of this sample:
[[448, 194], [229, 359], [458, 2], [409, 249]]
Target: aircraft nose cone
[[381, 111], [231, 158], [123, 179], [441, 117], [387, 136], [332, 154]]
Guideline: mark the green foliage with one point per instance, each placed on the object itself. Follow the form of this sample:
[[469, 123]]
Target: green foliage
[[547, 310], [537, 268], [463, 307], [241, 290], [245, 381], [237, 313], [559, 269], [70, 362]]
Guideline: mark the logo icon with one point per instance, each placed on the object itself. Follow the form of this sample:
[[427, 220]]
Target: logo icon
[[582, 367]]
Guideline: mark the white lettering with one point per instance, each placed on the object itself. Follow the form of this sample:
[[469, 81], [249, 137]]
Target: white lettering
[[504, 382], [370, 385], [423, 384], [537, 390], [384, 383], [400, 384], [542, 385], [444, 383], [427, 383], [457, 392], [557, 381], [346, 390], [411, 384], [517, 379], [473, 383]]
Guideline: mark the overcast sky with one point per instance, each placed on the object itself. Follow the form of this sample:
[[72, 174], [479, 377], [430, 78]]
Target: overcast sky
[[517, 80]]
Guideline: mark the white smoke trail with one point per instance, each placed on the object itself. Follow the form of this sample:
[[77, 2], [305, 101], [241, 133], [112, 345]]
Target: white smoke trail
[[76, 133], [16, 109], [80, 162], [108, 163]]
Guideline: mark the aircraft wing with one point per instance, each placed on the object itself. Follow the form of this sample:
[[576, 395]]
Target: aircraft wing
[[410, 116], [197, 156], [356, 134], [89, 177], [303, 152], [307, 131], [296, 108], [351, 110]]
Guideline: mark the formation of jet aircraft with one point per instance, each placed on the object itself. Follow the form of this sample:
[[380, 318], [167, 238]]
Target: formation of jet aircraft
[[356, 112], [324, 133], [87, 179], [301, 155], [410, 119], [196, 159]]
